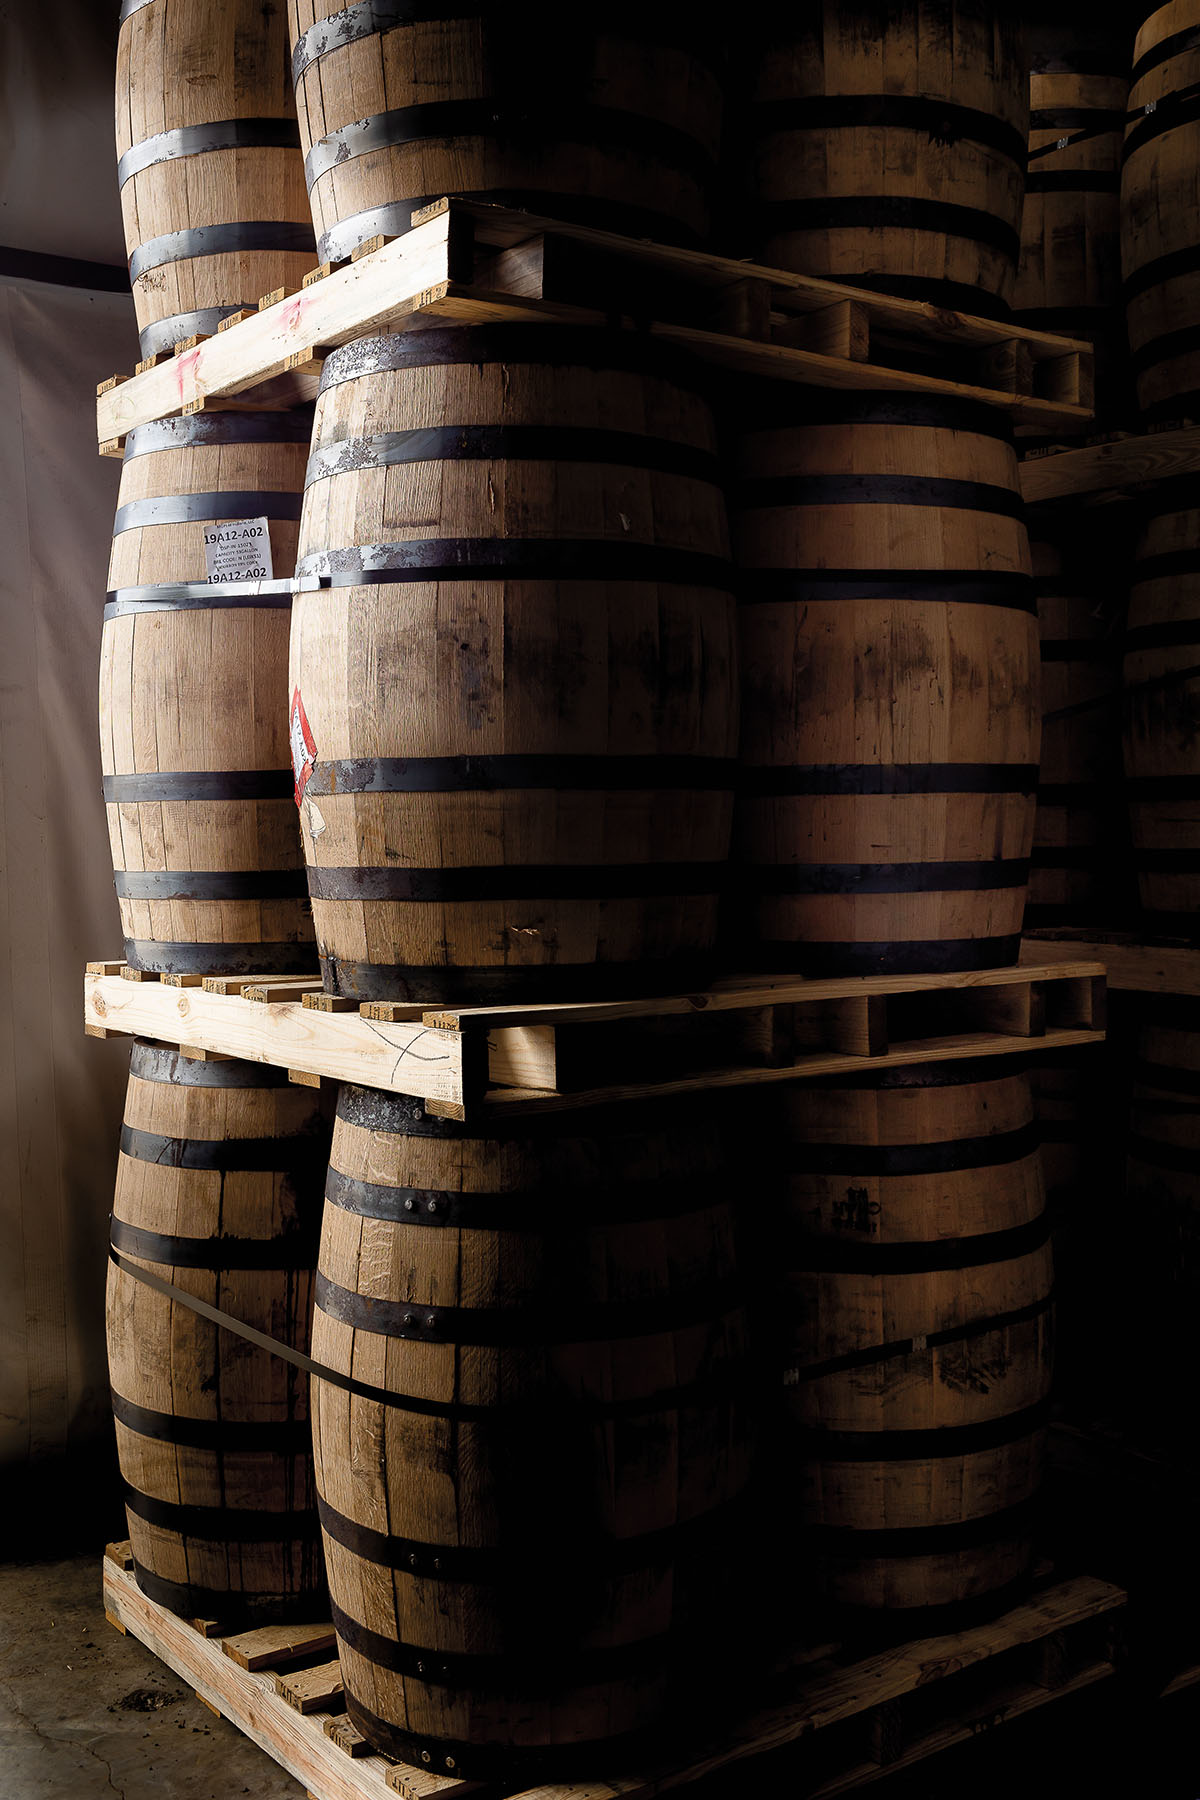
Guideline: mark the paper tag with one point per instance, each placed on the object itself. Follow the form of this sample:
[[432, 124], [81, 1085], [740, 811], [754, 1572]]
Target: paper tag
[[304, 748], [238, 550]]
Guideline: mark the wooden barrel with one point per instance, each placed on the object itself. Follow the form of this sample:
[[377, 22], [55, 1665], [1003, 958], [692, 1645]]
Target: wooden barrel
[[193, 702], [1162, 711], [514, 711], [918, 1295], [887, 148], [889, 686], [219, 1193], [212, 182], [613, 123], [1160, 212], [1079, 869], [525, 1544], [1069, 279]]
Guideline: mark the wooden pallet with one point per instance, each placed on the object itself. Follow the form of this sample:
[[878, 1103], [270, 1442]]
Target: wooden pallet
[[1134, 964], [837, 1722], [468, 1062], [1122, 468], [470, 262]]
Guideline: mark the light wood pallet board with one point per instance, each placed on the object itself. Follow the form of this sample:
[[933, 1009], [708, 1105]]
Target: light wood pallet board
[[1132, 964], [888, 1711], [1098, 471], [471, 262], [481, 1061]]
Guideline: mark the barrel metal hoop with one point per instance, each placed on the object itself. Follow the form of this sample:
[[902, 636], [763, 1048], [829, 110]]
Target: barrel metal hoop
[[222, 1524], [1169, 1076], [942, 122], [1177, 44], [506, 774], [1172, 112], [289, 1252], [487, 984], [298, 1153], [199, 596], [927, 587], [513, 443], [1167, 862], [877, 490], [485, 882], [883, 878], [816, 1444], [220, 957], [934, 1340], [891, 212], [162, 335], [506, 1764], [1094, 120], [887, 956], [210, 884], [516, 559], [528, 1209], [1164, 348], [925, 1540], [278, 235], [195, 140], [155, 1062], [129, 7], [163, 786], [546, 346], [1162, 269], [855, 779], [185, 509], [291, 427], [952, 1156], [233, 1437]]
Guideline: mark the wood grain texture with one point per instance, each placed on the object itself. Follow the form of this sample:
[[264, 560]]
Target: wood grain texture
[[579, 1507], [221, 1167], [849, 179], [187, 66], [884, 562], [909, 1166]]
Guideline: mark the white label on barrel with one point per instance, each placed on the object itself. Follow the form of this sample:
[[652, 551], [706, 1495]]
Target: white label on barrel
[[304, 747], [238, 550]]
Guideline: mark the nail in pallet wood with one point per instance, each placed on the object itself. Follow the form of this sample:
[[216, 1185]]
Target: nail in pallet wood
[[1098, 472], [840, 1721], [471, 262], [472, 1061]]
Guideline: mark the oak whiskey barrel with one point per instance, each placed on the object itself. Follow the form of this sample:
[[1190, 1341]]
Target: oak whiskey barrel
[[1160, 212], [218, 1192], [212, 181], [890, 706], [613, 122], [887, 148], [525, 1546], [513, 711], [917, 1297], [193, 702]]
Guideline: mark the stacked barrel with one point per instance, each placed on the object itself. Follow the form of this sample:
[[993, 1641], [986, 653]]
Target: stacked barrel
[[218, 1191]]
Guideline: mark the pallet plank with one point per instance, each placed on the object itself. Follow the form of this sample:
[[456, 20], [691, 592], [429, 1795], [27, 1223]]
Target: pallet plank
[[320, 1689], [273, 1646]]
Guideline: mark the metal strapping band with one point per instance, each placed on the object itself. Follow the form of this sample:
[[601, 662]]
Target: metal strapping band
[[182, 509], [883, 878], [290, 1251], [868, 1161], [929, 587], [224, 1437], [890, 778], [818, 1445], [248, 957], [154, 1062], [887, 956], [1171, 112], [1091, 121], [516, 559], [203, 596], [940, 121], [281, 235], [128, 7], [546, 346], [877, 490], [210, 884], [837, 1256], [194, 140], [551, 120], [892, 212], [188, 1601], [955, 1334], [1161, 270], [1165, 348], [519, 881], [506, 1764], [373, 1109], [925, 1540], [546, 1209], [291, 427], [1073, 181], [294, 1154], [222, 1524], [1177, 44], [168, 785], [163, 334], [502, 774], [516, 443], [487, 984]]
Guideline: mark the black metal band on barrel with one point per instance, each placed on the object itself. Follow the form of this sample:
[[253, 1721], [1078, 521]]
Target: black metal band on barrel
[[1073, 181], [199, 429], [490, 984], [856, 779], [1094, 121], [1162, 269], [210, 884], [184, 509], [514, 443], [1167, 862], [512, 1672], [189, 1601], [253, 956], [1177, 44], [1152, 789], [925, 1540], [928, 587], [232, 1437], [868, 1161], [1165, 347], [546, 1209], [296, 1153], [550, 347], [195, 140], [198, 596], [885, 878], [818, 1445], [935, 1340], [375, 1109], [161, 335], [168, 785], [1169, 1076], [516, 559], [154, 1062], [501, 774], [891, 212], [877, 490], [128, 7], [1171, 634], [277, 235], [781, 406], [535, 1321], [1172, 111], [1180, 1159], [516, 881], [940, 122], [886, 956], [222, 1524], [557, 1762], [575, 122], [840, 1256], [289, 1251]]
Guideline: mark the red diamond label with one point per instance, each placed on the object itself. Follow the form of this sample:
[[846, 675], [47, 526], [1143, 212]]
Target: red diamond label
[[304, 748]]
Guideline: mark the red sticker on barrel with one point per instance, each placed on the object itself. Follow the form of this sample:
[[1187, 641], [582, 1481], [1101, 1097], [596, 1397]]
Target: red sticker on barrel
[[304, 748]]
